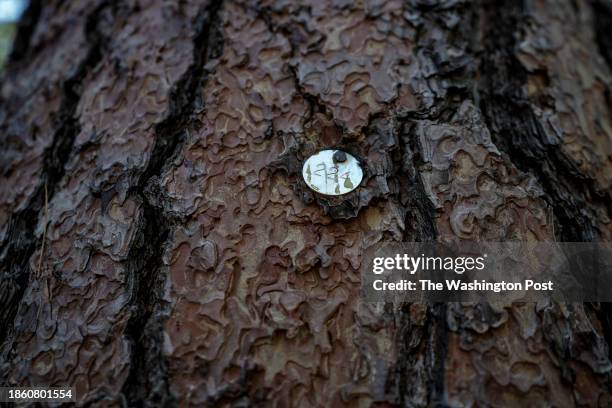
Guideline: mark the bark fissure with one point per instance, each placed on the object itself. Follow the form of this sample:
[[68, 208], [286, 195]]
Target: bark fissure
[[423, 334], [420, 209], [422, 328], [21, 241], [148, 381], [423, 331], [517, 131]]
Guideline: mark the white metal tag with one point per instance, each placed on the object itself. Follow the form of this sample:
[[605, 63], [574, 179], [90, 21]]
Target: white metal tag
[[332, 172]]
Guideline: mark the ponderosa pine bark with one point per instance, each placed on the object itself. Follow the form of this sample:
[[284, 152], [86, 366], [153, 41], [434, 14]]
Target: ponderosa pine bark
[[158, 246]]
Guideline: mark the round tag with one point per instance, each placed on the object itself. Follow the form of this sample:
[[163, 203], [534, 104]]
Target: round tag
[[332, 172]]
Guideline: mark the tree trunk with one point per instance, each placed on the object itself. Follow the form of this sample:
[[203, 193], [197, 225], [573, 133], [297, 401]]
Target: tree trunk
[[159, 246]]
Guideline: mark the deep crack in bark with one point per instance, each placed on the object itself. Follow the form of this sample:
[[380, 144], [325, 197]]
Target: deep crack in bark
[[427, 336], [516, 131], [21, 241], [423, 331], [147, 382]]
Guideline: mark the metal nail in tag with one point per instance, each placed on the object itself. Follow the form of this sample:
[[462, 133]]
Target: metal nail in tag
[[332, 172]]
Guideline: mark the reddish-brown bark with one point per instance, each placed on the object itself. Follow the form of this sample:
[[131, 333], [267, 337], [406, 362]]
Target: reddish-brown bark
[[158, 244]]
